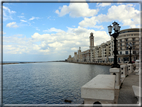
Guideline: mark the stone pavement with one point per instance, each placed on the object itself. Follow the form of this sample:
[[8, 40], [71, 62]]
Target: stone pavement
[[126, 94]]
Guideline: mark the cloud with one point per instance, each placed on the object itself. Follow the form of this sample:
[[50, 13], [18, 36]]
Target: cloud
[[8, 10], [103, 4], [7, 13], [53, 30], [74, 49], [74, 37], [37, 29], [32, 18], [12, 24], [77, 10], [86, 22], [17, 44], [21, 16], [23, 20], [126, 14], [54, 43]]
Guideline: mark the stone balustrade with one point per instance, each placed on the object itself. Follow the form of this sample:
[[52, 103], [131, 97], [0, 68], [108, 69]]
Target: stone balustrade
[[104, 89]]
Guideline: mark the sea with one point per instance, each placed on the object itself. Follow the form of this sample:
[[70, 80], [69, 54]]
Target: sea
[[47, 83]]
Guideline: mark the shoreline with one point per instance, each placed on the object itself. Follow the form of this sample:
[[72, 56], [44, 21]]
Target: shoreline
[[92, 63], [18, 63], [28, 62]]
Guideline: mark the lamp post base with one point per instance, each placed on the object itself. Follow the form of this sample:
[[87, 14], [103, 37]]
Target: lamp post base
[[115, 66]]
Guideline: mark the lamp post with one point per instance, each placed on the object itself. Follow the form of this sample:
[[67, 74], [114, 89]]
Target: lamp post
[[116, 29], [130, 48]]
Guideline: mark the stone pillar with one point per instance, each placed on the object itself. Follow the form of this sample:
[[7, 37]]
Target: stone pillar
[[137, 68], [130, 68], [123, 70], [117, 72]]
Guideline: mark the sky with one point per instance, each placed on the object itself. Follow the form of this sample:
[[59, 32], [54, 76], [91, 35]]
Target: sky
[[53, 31]]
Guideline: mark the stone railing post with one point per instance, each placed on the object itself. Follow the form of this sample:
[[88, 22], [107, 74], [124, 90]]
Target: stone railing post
[[130, 68], [117, 72], [124, 72], [137, 68]]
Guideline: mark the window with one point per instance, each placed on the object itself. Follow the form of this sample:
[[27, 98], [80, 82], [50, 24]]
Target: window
[[133, 43], [120, 40], [126, 52], [126, 39], [134, 52], [133, 39], [120, 52]]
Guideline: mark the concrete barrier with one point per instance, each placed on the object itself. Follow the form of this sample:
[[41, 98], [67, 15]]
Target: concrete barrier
[[100, 89]]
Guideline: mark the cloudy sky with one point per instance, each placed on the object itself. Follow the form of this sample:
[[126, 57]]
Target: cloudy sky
[[53, 31]]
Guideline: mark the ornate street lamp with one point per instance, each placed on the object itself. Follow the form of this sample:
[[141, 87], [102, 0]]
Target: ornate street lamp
[[116, 29], [130, 48]]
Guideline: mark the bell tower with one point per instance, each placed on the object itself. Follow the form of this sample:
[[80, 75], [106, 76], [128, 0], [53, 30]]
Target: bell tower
[[91, 41]]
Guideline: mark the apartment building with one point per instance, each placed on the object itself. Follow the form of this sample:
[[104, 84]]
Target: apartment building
[[125, 37]]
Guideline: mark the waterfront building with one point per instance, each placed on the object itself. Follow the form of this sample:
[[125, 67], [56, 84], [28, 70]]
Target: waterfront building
[[79, 55], [86, 56], [70, 59], [125, 37], [104, 51]]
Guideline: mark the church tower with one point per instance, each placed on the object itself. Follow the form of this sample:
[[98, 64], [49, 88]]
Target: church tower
[[91, 41]]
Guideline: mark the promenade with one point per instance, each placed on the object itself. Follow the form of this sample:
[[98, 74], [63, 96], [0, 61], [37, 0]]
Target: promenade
[[126, 94]]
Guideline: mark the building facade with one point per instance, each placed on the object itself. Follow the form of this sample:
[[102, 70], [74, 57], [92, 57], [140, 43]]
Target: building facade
[[125, 37], [104, 51]]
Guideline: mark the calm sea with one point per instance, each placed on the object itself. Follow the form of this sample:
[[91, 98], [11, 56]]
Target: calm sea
[[47, 83]]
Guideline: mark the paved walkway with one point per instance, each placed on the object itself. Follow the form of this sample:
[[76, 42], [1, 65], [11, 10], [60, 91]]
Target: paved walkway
[[126, 94]]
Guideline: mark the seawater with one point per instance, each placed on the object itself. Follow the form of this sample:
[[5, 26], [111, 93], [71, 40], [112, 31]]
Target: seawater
[[47, 83]]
